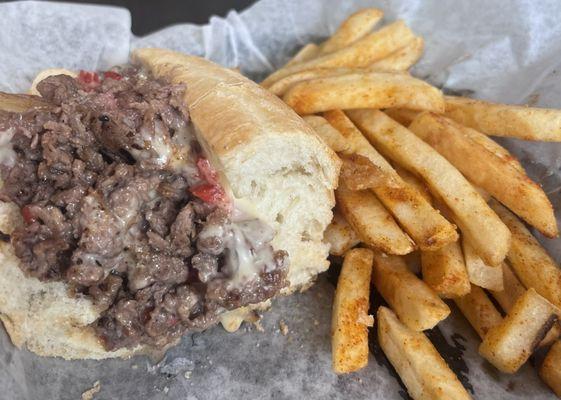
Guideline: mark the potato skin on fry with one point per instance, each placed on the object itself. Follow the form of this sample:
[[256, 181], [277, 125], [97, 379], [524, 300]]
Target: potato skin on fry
[[550, 370], [349, 335], [509, 344]]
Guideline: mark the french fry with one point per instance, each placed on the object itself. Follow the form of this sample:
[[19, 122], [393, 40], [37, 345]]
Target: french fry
[[421, 221], [488, 144], [529, 260], [361, 53], [513, 290], [468, 150], [340, 235], [480, 273], [363, 90], [479, 310], [350, 319], [444, 270], [423, 371], [359, 173], [402, 59], [509, 344], [528, 123], [306, 53], [550, 370], [281, 86], [484, 229], [413, 181], [402, 115], [372, 222], [416, 304], [331, 136], [353, 28]]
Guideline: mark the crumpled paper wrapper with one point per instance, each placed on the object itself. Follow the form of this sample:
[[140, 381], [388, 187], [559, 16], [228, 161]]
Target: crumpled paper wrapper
[[501, 50]]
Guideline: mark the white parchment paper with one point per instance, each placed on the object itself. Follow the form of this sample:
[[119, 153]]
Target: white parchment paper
[[498, 50]]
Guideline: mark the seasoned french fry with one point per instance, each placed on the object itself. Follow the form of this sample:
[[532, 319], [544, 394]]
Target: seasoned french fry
[[509, 344], [444, 270], [490, 146], [421, 221], [423, 371], [402, 115], [363, 90], [528, 123], [479, 310], [361, 53], [416, 304], [480, 273], [413, 181], [513, 290], [484, 229], [402, 59], [529, 260], [359, 173], [306, 53], [281, 86], [550, 370], [468, 151], [350, 319], [340, 235], [331, 136], [353, 28], [372, 222]]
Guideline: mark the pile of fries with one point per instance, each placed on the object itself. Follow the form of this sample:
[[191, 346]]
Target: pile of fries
[[420, 173]]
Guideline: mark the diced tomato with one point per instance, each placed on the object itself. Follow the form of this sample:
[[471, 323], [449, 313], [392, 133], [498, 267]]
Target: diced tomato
[[112, 75], [206, 171], [212, 194], [88, 80], [27, 215]]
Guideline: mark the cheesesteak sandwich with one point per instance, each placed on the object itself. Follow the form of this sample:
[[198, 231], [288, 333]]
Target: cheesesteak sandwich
[[151, 200]]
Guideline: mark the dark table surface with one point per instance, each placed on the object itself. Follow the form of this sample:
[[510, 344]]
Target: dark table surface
[[151, 15]]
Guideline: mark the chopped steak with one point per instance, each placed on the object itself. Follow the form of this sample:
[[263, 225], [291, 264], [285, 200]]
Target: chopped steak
[[119, 202]]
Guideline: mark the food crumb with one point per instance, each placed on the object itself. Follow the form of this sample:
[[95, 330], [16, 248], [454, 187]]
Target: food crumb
[[90, 393], [283, 327], [365, 319], [166, 390], [316, 322], [187, 374], [134, 366], [258, 326]]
